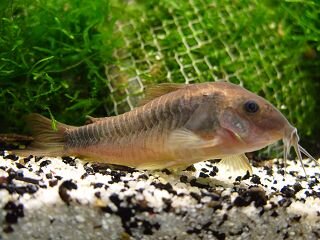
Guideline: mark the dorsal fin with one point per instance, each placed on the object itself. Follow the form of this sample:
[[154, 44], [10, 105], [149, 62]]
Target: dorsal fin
[[155, 91], [90, 119]]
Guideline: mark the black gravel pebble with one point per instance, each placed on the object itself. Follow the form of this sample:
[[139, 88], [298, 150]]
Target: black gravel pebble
[[183, 179], [203, 175], [143, 176], [4, 168], [26, 179], [204, 170], [224, 218], [58, 177], [288, 191], [45, 163], [116, 176], [191, 168], [261, 212], [9, 206], [89, 170], [212, 173], [8, 229], [293, 173], [215, 169], [296, 218], [218, 235], [254, 194], [30, 189], [238, 179], [297, 187], [194, 183], [37, 158], [19, 173], [214, 196], [312, 183], [69, 160], [63, 190], [83, 176], [196, 196], [97, 185], [269, 170], [274, 214], [246, 176], [255, 179], [148, 227], [127, 214], [49, 175], [168, 204], [166, 171], [168, 187], [13, 212], [53, 182], [19, 165], [312, 193], [11, 156], [27, 159], [12, 174], [285, 202], [11, 218], [194, 231]]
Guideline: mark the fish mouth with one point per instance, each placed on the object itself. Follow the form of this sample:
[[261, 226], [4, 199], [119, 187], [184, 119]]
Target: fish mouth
[[291, 139]]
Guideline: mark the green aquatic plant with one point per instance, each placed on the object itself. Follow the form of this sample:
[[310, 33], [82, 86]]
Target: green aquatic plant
[[52, 58]]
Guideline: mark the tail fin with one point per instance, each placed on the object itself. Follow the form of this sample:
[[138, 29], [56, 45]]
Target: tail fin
[[48, 141]]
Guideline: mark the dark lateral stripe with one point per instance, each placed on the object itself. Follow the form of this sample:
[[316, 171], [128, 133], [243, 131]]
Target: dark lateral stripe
[[115, 125], [92, 134], [82, 136], [97, 131], [153, 113], [147, 116]]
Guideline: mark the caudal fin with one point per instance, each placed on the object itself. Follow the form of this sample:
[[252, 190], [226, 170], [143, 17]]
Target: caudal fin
[[48, 140]]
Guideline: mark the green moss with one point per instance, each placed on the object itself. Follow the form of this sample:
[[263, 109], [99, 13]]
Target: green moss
[[52, 56]]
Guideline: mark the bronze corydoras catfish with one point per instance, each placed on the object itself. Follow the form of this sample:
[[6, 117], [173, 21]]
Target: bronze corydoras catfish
[[177, 125]]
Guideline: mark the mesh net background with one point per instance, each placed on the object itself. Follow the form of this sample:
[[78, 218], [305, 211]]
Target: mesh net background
[[244, 42]]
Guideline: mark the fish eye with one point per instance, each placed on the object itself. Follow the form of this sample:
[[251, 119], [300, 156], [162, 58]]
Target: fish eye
[[251, 106]]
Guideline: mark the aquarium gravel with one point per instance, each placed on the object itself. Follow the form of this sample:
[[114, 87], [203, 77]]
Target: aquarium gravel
[[67, 198]]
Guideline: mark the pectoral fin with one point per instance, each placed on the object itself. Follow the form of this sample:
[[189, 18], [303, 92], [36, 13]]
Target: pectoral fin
[[184, 138], [236, 163]]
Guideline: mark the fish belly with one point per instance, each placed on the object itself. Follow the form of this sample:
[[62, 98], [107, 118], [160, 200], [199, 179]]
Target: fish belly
[[135, 154], [139, 154]]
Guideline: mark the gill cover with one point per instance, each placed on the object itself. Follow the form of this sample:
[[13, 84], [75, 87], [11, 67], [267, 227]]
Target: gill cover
[[233, 122]]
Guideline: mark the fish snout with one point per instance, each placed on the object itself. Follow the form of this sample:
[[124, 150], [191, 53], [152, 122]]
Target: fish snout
[[289, 132]]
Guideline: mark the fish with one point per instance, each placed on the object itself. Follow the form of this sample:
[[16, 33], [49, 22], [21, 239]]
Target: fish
[[175, 126]]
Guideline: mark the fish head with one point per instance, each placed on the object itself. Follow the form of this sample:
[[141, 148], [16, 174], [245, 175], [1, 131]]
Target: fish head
[[250, 120], [254, 123]]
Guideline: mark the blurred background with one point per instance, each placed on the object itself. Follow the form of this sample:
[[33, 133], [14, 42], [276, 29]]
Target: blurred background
[[70, 58]]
